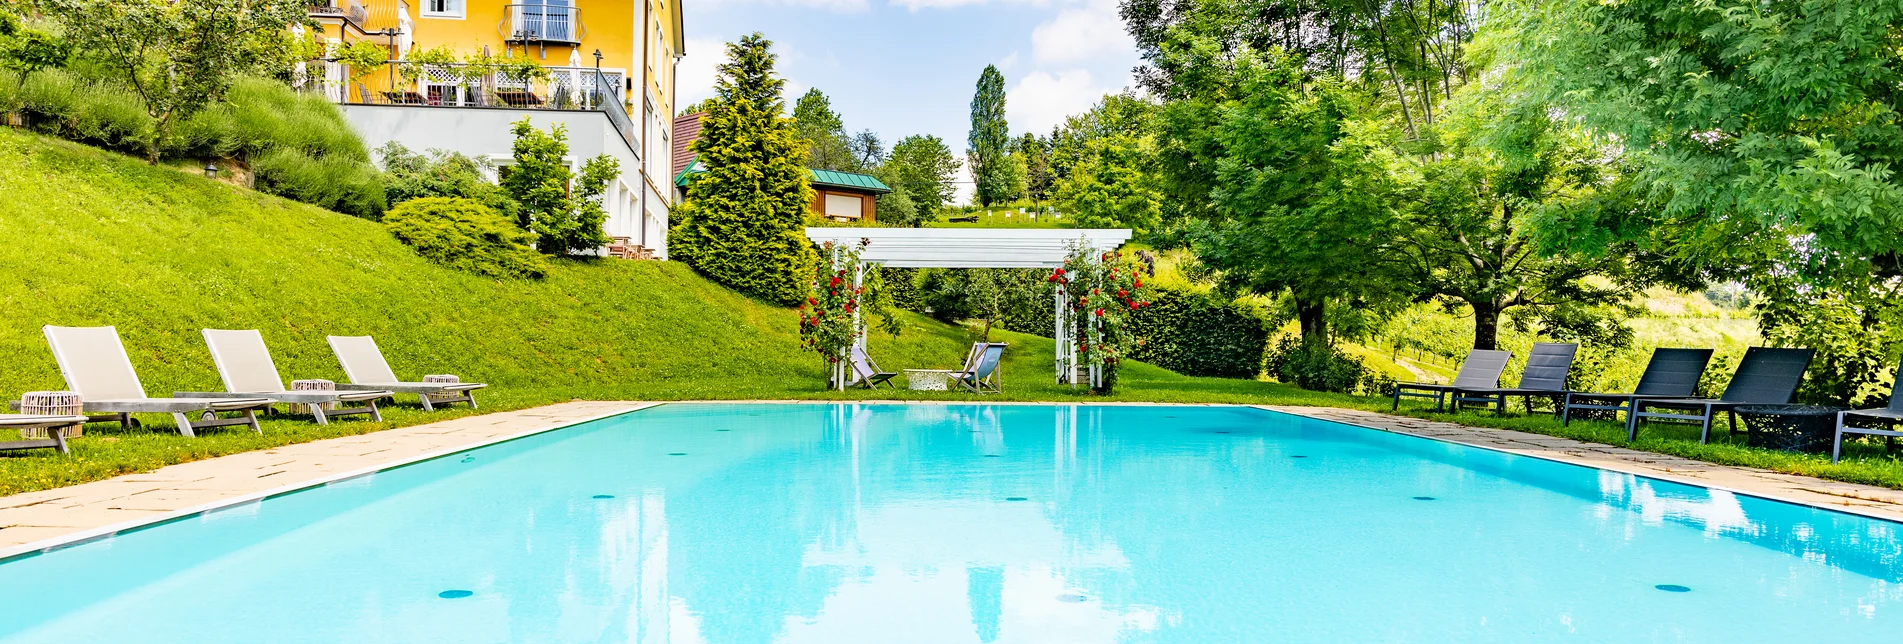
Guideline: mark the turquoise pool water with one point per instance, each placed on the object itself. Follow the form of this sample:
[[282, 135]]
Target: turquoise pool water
[[932, 523]]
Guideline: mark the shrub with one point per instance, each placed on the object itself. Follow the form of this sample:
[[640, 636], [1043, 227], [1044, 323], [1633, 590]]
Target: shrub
[[466, 235], [409, 175], [345, 185], [1320, 368], [1200, 335], [69, 106]]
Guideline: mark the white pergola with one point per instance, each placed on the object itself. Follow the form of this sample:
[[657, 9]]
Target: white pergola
[[979, 248]]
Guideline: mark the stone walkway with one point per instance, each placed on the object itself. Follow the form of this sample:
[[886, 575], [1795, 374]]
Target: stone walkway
[[38, 520], [102, 507], [1882, 503]]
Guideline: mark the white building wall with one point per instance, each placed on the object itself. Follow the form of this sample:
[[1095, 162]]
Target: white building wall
[[485, 133]]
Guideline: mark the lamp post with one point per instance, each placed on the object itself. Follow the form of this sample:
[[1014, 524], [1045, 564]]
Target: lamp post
[[600, 92], [211, 170]]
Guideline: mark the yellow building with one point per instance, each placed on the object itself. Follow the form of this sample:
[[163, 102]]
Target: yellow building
[[603, 68]]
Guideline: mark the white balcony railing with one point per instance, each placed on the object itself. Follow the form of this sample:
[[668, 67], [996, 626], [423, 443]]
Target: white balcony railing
[[530, 23]]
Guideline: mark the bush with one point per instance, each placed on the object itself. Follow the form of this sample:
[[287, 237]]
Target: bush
[[1324, 368], [1199, 335], [409, 175], [345, 185], [69, 106], [466, 235]]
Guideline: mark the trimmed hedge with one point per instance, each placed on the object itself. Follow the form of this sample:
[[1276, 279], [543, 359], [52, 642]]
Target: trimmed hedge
[[465, 235], [1199, 335]]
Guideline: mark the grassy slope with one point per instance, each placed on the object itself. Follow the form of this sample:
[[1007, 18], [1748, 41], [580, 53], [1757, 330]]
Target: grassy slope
[[88, 237]]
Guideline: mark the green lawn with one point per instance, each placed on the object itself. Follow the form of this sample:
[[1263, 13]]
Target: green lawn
[[88, 237]]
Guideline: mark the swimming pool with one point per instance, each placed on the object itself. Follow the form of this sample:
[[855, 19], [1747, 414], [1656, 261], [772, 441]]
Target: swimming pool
[[975, 523]]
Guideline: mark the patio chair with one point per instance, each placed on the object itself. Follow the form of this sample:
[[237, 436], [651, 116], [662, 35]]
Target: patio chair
[[96, 367], [1765, 376], [364, 366], [1889, 416], [54, 425], [1547, 367], [866, 373], [1481, 370], [245, 365], [981, 375]]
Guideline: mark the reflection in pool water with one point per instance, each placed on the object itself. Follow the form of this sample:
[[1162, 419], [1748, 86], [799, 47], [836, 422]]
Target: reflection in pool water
[[947, 523]]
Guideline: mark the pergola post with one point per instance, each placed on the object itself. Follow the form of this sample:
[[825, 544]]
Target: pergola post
[[1065, 372]]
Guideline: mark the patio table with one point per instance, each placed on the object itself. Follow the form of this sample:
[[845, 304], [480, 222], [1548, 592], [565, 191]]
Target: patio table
[[928, 379]]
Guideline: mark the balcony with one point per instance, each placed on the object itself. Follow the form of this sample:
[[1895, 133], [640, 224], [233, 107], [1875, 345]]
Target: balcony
[[486, 86], [542, 23]]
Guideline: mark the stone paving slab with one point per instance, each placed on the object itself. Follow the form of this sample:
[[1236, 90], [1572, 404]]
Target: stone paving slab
[[35, 520], [1870, 501]]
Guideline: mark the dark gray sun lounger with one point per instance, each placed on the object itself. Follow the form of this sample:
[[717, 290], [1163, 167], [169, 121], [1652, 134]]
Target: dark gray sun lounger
[[1547, 367], [1481, 370], [1765, 376], [1672, 373], [1889, 416]]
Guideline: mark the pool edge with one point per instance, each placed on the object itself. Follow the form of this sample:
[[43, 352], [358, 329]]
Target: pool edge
[[88, 535], [1630, 469]]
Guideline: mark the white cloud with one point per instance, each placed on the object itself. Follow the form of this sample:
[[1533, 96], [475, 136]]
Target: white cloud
[[1008, 62], [1041, 100], [1081, 34], [694, 79]]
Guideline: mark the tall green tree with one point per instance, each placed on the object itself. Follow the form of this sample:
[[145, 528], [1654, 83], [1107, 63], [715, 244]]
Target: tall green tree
[[988, 145], [1107, 153], [742, 223], [923, 167], [179, 56], [828, 146], [1307, 191], [1036, 153], [561, 207], [1762, 140]]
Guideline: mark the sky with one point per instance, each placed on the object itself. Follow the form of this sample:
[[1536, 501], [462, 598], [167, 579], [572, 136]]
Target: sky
[[904, 67]]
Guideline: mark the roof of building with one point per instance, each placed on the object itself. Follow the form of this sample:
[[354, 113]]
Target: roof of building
[[851, 181], [686, 129]]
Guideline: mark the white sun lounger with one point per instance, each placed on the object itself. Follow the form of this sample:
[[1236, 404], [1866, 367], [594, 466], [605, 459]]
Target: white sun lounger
[[55, 427], [245, 364], [96, 366], [364, 365]]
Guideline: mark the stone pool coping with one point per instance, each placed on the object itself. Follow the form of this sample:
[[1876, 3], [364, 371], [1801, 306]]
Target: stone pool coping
[[51, 519]]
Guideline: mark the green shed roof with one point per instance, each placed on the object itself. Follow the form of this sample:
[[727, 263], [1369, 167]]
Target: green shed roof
[[822, 178]]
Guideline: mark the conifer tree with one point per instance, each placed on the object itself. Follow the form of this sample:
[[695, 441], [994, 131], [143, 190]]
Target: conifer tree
[[743, 221], [989, 142]]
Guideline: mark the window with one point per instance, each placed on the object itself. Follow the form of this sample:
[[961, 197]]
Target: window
[[443, 8], [842, 206]]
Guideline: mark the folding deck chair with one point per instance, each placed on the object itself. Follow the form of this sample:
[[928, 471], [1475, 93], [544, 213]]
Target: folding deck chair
[[96, 366], [1765, 376], [245, 365], [364, 366], [1481, 370], [865, 372], [1672, 373], [1889, 416], [1546, 369], [980, 374]]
